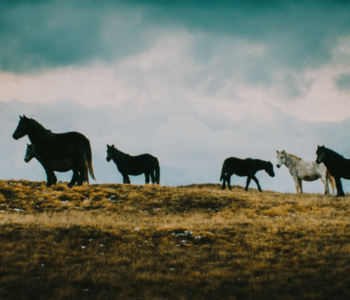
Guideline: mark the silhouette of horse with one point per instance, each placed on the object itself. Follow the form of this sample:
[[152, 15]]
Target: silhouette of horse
[[57, 146], [134, 165], [337, 165], [57, 165], [244, 167], [300, 170]]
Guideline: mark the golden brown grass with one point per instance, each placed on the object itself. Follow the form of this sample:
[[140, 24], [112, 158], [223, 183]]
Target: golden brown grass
[[142, 242]]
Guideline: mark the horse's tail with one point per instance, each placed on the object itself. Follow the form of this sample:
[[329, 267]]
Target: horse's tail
[[223, 172], [331, 180], [157, 172], [89, 162], [86, 173]]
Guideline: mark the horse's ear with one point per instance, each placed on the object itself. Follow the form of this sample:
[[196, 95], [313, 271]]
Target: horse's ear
[[108, 146], [24, 117], [283, 151], [323, 146], [113, 146], [21, 117], [277, 151]]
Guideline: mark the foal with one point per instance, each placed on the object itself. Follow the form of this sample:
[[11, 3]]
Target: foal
[[64, 165], [244, 167]]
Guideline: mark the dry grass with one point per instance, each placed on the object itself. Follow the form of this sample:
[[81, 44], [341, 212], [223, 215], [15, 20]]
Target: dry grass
[[137, 242]]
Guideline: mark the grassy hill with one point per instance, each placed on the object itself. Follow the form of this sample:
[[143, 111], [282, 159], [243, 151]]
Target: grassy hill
[[114, 241]]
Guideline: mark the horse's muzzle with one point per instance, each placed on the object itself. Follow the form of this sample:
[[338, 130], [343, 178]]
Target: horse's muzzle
[[15, 136], [317, 161], [278, 166]]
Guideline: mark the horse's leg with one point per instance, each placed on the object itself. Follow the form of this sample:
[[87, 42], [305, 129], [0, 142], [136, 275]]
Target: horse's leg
[[224, 182], [146, 177], [257, 183], [50, 175], [324, 180], [340, 192], [300, 186], [229, 181], [248, 182], [81, 169], [153, 177], [54, 178], [75, 175], [126, 179], [296, 182]]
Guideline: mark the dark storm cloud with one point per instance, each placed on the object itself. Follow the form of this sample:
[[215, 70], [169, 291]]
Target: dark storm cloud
[[44, 34]]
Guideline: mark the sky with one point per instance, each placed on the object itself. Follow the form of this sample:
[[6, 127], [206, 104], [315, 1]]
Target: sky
[[191, 82]]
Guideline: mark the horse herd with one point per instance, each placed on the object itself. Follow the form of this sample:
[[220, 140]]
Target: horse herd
[[63, 152]]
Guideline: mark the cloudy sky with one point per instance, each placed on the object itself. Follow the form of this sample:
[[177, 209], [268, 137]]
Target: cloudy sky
[[192, 82]]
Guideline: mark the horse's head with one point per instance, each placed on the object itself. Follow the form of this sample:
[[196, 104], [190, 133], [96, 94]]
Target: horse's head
[[30, 153], [281, 158], [269, 169], [321, 154], [22, 128], [109, 152]]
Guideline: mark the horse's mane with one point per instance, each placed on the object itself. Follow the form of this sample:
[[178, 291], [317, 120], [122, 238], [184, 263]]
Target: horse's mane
[[333, 153], [40, 129], [294, 156]]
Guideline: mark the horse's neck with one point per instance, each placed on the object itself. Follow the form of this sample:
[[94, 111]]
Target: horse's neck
[[260, 164], [38, 159], [118, 156], [39, 135], [289, 161]]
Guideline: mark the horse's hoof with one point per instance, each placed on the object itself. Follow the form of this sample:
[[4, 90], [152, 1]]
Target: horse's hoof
[[69, 185]]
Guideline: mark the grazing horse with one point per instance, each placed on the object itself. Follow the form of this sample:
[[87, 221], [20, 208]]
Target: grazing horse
[[337, 165], [134, 165], [244, 167], [300, 170], [57, 146], [57, 165]]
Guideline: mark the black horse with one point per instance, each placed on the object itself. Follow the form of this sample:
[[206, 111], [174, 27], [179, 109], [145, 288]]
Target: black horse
[[57, 146], [337, 166], [244, 167], [134, 165], [64, 165]]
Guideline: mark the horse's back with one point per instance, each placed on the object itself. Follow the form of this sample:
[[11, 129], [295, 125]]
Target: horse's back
[[240, 167], [308, 170]]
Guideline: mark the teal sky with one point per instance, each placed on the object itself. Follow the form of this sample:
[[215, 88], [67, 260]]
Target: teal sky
[[192, 82]]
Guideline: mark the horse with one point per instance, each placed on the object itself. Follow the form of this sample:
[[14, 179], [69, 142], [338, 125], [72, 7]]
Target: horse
[[57, 146], [244, 167], [134, 165], [64, 165], [337, 165], [300, 170]]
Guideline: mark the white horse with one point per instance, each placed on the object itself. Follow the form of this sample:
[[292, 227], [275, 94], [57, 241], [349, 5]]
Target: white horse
[[304, 170]]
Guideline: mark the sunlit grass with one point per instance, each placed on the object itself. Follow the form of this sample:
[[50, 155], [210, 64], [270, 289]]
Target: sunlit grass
[[154, 242]]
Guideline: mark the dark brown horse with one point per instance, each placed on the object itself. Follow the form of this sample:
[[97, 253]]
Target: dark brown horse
[[57, 146], [337, 166], [64, 165], [244, 167], [134, 165]]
